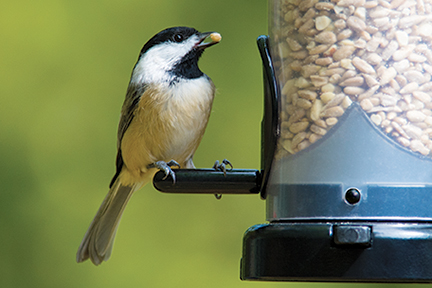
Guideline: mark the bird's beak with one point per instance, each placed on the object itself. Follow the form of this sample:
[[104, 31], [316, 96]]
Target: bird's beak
[[214, 39]]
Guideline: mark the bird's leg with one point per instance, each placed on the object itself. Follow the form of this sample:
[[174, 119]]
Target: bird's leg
[[221, 167], [166, 168]]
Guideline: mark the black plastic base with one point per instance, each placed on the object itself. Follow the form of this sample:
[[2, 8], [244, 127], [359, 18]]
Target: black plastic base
[[338, 252]]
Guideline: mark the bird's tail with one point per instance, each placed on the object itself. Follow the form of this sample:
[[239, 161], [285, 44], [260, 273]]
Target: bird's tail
[[99, 238]]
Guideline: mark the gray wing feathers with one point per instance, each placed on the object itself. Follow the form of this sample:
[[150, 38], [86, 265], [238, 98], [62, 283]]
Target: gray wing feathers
[[133, 96]]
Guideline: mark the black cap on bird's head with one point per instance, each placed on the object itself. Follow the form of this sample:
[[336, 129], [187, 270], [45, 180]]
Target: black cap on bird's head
[[179, 35]]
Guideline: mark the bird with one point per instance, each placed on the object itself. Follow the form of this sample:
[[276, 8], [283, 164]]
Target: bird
[[163, 119]]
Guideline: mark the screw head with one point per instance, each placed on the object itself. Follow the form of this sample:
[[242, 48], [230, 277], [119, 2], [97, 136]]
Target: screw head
[[352, 196]]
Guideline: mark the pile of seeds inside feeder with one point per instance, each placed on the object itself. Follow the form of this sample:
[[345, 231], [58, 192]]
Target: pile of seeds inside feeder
[[376, 53]]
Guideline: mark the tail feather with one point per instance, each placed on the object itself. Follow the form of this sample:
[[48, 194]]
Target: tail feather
[[99, 238]]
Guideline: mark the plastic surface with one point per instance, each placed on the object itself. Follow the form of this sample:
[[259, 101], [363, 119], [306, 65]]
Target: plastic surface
[[209, 181], [308, 252], [270, 123], [345, 119], [393, 182]]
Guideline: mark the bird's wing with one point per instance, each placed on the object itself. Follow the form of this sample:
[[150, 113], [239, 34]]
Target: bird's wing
[[133, 96]]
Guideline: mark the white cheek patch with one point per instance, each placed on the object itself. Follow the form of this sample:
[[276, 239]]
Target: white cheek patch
[[154, 65]]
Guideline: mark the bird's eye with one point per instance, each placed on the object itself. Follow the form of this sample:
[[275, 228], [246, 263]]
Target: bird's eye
[[178, 37]]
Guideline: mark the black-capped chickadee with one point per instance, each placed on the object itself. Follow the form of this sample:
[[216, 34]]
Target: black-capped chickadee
[[163, 118]]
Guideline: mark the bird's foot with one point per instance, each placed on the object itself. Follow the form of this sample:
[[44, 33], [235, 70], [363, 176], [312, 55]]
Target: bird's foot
[[222, 167], [166, 168]]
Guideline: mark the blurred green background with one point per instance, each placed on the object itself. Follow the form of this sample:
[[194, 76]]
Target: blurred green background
[[65, 66]]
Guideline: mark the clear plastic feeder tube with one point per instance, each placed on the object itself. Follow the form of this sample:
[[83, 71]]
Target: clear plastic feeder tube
[[355, 96]]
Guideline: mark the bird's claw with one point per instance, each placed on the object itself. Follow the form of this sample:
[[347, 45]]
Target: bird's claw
[[222, 166], [166, 168]]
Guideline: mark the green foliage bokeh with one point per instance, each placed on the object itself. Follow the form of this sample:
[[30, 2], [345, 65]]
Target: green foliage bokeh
[[65, 66]]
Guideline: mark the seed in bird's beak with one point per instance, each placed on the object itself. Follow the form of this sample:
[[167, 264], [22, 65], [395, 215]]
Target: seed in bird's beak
[[216, 37], [213, 36]]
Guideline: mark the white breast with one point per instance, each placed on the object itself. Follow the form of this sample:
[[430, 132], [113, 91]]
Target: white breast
[[189, 108], [168, 124]]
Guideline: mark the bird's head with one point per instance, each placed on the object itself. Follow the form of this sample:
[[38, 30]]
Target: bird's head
[[172, 54]]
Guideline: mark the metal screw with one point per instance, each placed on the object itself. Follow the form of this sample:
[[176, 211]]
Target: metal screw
[[352, 196]]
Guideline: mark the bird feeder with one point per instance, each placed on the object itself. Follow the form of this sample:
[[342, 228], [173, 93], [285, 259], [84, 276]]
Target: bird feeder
[[346, 166]]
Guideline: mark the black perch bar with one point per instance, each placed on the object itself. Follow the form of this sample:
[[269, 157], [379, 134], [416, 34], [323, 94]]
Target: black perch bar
[[209, 181]]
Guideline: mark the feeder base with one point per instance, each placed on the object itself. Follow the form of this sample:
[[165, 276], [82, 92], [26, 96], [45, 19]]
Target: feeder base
[[338, 252]]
